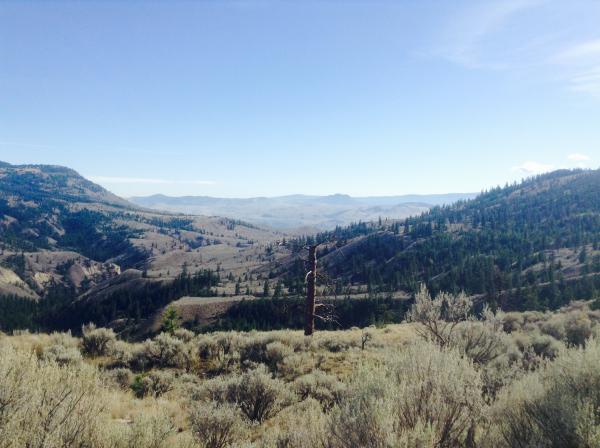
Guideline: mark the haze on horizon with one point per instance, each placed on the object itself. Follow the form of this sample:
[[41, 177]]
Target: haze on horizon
[[269, 98]]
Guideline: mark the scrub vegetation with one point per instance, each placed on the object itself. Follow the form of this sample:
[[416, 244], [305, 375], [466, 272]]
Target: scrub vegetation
[[447, 377]]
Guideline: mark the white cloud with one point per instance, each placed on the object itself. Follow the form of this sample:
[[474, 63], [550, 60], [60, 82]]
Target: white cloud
[[146, 181], [531, 167], [581, 50], [581, 65], [577, 157], [587, 81], [532, 38], [464, 41]]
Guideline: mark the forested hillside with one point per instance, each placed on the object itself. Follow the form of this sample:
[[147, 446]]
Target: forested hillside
[[525, 246], [52, 207], [70, 251]]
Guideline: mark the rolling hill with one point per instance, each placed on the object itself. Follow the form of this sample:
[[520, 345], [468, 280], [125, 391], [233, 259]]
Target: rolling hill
[[64, 239]]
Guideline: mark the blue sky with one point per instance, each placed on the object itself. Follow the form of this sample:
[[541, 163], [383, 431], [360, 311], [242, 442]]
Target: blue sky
[[245, 98]]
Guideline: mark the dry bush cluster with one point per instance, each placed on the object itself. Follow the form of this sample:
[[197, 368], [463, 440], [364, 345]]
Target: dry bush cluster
[[445, 379]]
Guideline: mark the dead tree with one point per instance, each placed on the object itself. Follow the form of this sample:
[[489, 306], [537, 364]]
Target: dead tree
[[313, 309], [311, 282]]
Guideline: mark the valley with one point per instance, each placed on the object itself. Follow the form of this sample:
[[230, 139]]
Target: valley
[[300, 224], [82, 254], [303, 213]]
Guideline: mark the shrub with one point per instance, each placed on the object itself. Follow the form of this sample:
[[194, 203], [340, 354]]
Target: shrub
[[146, 430], [122, 355], [184, 335], [481, 341], [496, 375], [335, 344], [163, 351], [259, 396], [533, 317], [512, 322], [216, 425], [578, 328], [208, 348], [324, 388], [154, 384], [97, 341], [557, 406], [437, 388], [439, 316], [120, 377], [253, 349], [296, 341], [366, 415], [228, 342], [275, 353], [64, 339], [62, 355], [545, 346], [296, 365], [256, 393], [425, 395], [510, 424], [302, 425], [44, 404], [555, 327], [366, 335]]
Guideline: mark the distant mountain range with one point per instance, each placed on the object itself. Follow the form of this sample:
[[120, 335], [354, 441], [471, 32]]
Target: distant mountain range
[[302, 211]]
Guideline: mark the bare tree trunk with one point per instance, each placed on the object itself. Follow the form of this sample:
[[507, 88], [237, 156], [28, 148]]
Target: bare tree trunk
[[309, 316]]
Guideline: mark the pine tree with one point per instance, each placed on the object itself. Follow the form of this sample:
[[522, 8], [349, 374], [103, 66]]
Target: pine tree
[[278, 291], [170, 321]]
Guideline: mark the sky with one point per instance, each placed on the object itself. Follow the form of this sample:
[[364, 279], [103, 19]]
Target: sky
[[266, 98]]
